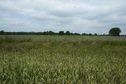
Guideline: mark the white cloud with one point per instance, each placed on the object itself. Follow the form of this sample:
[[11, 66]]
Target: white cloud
[[96, 16]]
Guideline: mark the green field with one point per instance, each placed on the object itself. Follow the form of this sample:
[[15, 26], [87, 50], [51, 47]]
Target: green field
[[62, 59]]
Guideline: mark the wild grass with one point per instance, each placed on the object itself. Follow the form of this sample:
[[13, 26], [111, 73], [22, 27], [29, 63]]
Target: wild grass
[[62, 60]]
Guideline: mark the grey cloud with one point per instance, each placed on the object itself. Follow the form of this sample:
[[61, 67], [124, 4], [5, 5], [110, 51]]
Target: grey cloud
[[73, 15]]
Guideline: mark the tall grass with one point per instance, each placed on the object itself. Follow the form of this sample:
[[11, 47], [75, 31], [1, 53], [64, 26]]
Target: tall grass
[[62, 60]]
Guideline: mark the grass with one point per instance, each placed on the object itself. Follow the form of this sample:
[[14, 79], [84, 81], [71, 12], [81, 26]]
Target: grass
[[62, 60]]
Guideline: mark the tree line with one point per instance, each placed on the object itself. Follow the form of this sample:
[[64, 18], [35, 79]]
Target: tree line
[[2, 32], [115, 31]]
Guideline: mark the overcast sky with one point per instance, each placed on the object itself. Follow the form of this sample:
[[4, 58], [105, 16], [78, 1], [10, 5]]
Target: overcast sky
[[83, 16]]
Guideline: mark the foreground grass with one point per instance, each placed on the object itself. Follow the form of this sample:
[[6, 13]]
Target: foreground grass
[[62, 60]]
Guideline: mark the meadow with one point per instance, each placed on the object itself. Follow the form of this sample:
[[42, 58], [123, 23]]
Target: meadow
[[32, 59]]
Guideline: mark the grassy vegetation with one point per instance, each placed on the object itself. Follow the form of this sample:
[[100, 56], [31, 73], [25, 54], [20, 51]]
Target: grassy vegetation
[[62, 60]]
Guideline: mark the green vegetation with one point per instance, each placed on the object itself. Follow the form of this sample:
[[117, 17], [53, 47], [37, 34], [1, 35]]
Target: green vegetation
[[115, 31], [62, 60]]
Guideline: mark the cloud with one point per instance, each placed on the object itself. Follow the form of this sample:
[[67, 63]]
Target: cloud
[[89, 16]]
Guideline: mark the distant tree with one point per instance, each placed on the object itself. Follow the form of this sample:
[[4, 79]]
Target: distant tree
[[2, 32], [76, 33], [115, 31], [95, 34], [44, 33], [51, 33], [61, 32], [67, 33], [90, 34], [84, 34]]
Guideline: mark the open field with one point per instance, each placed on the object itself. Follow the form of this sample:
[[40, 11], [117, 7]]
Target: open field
[[62, 60]]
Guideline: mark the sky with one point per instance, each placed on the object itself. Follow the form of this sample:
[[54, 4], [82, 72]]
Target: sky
[[82, 16]]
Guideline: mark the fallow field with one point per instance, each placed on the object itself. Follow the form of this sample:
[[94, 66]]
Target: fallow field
[[30, 59]]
